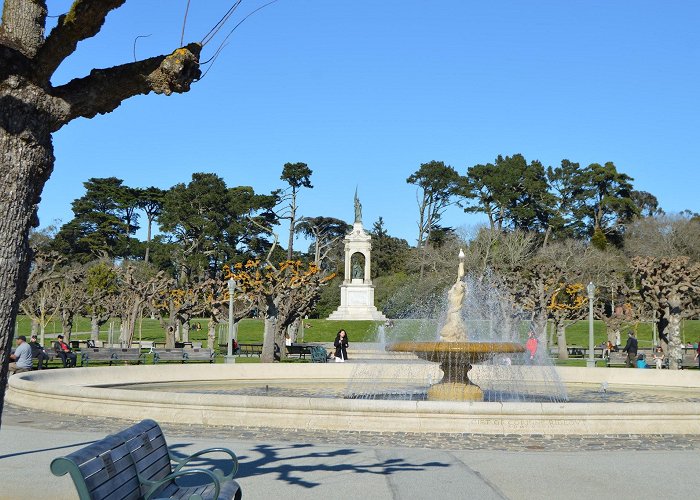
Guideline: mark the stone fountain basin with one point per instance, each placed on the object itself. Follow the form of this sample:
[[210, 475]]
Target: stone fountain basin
[[472, 352], [84, 391]]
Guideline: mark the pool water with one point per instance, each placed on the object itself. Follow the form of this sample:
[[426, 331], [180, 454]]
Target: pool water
[[404, 391]]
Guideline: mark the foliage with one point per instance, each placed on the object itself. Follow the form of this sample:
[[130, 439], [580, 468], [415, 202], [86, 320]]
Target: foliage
[[297, 175]]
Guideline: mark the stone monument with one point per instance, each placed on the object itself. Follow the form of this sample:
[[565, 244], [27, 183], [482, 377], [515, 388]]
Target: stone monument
[[357, 290]]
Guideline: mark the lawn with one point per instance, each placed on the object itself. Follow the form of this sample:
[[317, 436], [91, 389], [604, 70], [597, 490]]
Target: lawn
[[323, 330]]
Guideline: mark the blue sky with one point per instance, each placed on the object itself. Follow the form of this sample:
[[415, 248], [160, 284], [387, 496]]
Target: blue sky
[[364, 91]]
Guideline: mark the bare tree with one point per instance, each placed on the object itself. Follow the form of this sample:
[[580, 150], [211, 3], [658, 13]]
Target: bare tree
[[40, 304], [671, 288]]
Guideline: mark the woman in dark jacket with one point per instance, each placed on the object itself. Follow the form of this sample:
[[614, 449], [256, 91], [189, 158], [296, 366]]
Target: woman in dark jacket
[[341, 346]]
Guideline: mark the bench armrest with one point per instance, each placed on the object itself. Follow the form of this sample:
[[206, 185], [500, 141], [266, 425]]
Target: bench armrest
[[183, 461], [155, 485]]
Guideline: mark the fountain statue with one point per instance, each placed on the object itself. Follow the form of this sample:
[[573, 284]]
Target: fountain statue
[[454, 352], [454, 329]]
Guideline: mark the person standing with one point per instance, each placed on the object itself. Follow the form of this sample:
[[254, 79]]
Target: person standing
[[341, 346], [531, 346], [697, 354], [38, 352], [631, 350], [21, 359]]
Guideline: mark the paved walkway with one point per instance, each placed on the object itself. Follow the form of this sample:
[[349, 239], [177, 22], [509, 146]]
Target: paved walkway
[[347, 464]]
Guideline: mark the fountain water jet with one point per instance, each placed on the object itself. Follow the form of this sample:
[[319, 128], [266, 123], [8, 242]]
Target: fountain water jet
[[454, 352]]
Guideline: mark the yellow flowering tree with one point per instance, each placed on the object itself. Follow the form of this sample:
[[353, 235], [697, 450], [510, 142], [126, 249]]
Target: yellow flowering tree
[[282, 294], [567, 303]]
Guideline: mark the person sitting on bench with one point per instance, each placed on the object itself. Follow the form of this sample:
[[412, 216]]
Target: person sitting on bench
[[64, 352], [38, 352], [21, 359]]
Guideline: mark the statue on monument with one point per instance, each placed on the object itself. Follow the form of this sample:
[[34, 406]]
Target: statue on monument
[[356, 271], [358, 208]]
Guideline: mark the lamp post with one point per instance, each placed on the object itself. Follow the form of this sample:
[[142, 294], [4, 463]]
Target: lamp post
[[229, 358], [590, 362]]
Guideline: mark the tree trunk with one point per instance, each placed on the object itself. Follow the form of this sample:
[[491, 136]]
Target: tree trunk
[[675, 342], [27, 160], [561, 340], [185, 331], [268, 352], [170, 336], [148, 239], [94, 328], [211, 333], [67, 317], [35, 328], [540, 327], [128, 324], [293, 329]]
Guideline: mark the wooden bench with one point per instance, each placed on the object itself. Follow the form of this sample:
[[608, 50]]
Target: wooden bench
[[137, 464], [183, 355], [298, 350], [198, 354], [250, 349], [617, 358], [111, 354], [689, 360], [175, 354]]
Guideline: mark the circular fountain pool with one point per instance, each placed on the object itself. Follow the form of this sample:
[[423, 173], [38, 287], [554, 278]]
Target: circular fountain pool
[[92, 391]]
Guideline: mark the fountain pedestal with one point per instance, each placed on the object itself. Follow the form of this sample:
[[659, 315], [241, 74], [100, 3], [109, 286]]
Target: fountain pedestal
[[455, 359]]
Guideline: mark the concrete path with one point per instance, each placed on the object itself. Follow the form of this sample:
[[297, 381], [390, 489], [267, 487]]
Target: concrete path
[[325, 466]]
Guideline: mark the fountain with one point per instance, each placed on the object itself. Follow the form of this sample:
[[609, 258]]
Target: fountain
[[381, 395], [454, 352]]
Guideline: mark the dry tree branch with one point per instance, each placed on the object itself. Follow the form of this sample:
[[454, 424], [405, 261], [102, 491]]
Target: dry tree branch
[[184, 23]]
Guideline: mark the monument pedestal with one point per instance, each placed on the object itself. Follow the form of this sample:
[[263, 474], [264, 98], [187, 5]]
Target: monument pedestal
[[357, 303]]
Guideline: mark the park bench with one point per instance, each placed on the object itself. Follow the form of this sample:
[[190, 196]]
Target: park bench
[[298, 350], [198, 354], [111, 354], [689, 360], [617, 358], [183, 355], [174, 354], [137, 464], [250, 349]]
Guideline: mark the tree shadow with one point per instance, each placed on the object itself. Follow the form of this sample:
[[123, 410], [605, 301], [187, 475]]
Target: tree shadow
[[285, 468], [29, 452]]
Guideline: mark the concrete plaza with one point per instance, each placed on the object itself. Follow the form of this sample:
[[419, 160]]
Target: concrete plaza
[[346, 464]]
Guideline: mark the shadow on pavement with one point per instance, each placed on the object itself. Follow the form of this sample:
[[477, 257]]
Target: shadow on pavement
[[273, 462], [29, 452]]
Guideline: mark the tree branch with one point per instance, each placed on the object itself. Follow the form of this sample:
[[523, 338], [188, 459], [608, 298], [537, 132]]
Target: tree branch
[[105, 89], [84, 20]]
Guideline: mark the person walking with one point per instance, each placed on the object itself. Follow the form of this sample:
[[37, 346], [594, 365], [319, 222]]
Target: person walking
[[341, 346], [631, 350]]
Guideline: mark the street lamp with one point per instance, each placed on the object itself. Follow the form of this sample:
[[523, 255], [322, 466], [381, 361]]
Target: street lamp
[[590, 362], [229, 358]]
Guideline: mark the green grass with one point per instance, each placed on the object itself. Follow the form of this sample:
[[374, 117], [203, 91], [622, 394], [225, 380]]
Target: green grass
[[577, 334], [323, 330]]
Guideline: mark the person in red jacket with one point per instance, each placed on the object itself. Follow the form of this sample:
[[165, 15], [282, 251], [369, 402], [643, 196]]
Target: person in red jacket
[[64, 352], [531, 346]]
